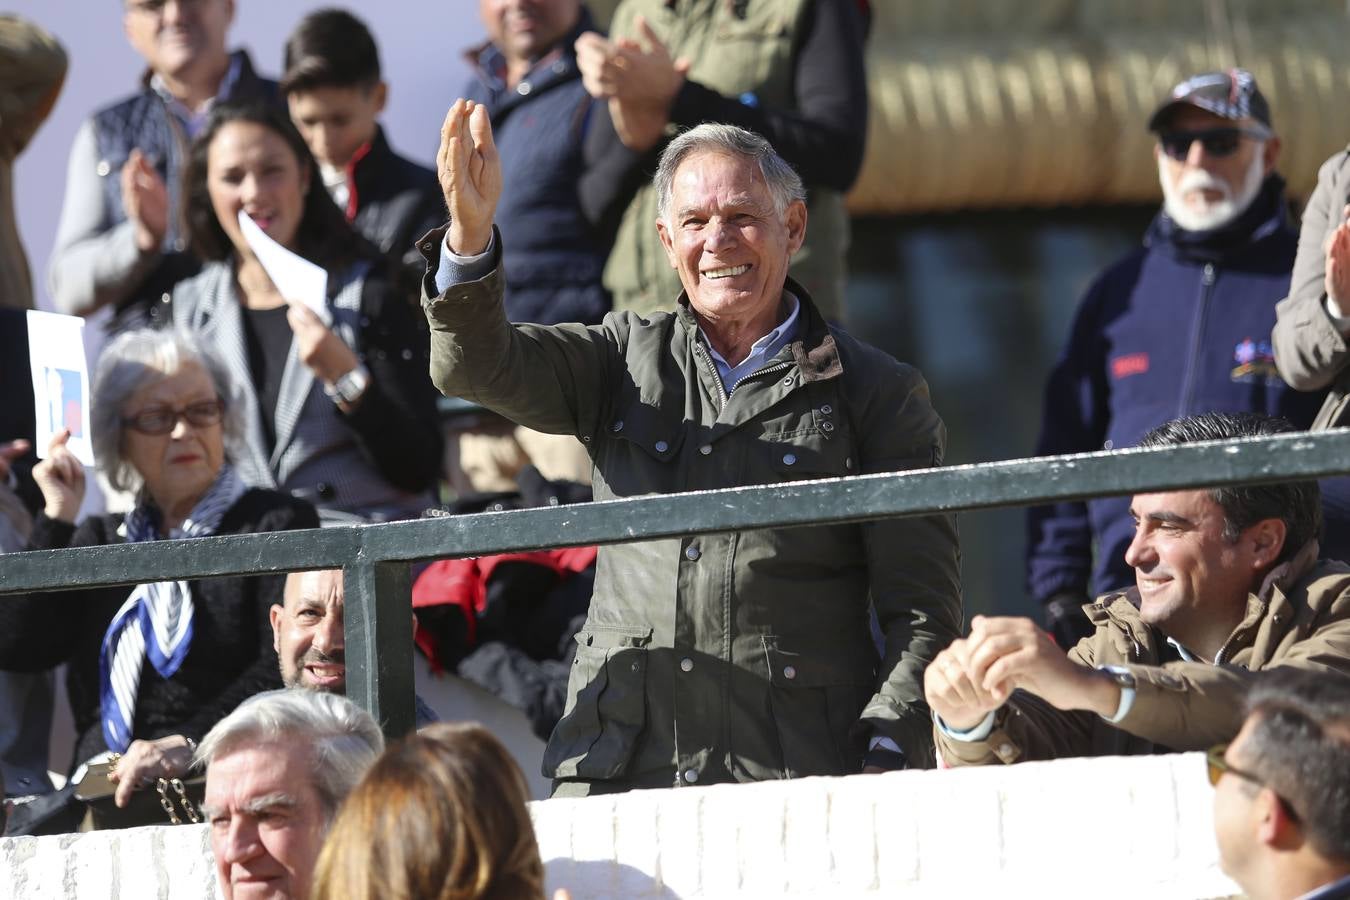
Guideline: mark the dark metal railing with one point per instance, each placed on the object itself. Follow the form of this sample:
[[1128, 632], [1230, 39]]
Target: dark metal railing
[[375, 558]]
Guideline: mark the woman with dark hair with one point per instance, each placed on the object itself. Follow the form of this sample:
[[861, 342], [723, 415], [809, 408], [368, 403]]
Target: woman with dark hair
[[342, 415]]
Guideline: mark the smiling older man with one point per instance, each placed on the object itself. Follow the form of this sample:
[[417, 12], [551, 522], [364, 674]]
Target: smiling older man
[[1227, 583], [731, 657]]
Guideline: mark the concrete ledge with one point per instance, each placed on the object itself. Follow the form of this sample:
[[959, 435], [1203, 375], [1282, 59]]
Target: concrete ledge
[[1106, 828]]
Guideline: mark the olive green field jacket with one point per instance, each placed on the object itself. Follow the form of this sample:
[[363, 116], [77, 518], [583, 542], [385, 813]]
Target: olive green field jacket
[[729, 657]]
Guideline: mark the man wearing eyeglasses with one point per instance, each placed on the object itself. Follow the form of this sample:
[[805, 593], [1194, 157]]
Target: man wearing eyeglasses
[[121, 241], [1179, 326], [1282, 790], [1227, 584]]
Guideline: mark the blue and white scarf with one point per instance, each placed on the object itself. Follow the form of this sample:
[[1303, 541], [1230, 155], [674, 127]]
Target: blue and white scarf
[[155, 622]]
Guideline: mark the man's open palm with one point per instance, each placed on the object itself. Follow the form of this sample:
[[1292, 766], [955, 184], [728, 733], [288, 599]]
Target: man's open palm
[[470, 173]]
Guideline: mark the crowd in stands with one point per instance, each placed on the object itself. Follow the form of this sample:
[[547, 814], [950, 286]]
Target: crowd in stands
[[629, 259]]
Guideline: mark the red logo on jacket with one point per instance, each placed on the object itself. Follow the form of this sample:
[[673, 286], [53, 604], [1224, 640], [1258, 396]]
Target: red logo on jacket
[[1129, 364]]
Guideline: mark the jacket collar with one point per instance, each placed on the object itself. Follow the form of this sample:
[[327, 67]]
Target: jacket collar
[[1264, 217], [814, 349]]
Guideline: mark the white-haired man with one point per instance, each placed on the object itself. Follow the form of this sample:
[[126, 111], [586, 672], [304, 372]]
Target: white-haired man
[[1178, 327], [731, 657], [277, 768]]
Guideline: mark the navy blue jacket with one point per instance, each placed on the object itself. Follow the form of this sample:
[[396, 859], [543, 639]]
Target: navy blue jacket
[[1178, 327], [552, 257]]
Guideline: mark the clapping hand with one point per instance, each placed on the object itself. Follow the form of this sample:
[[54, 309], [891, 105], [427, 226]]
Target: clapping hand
[[1338, 264], [470, 173], [639, 78], [145, 200]]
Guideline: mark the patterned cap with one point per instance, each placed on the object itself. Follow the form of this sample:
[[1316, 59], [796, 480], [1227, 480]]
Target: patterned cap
[[1229, 95]]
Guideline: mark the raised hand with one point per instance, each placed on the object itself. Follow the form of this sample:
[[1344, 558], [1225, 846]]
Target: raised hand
[[638, 78], [470, 173], [1338, 265], [145, 200], [61, 478]]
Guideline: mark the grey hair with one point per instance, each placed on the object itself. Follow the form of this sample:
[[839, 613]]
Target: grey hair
[[785, 185], [343, 738], [134, 359]]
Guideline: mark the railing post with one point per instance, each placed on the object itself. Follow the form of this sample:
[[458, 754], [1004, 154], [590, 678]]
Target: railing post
[[378, 601]]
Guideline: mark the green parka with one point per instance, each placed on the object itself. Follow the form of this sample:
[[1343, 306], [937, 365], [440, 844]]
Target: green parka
[[731, 657]]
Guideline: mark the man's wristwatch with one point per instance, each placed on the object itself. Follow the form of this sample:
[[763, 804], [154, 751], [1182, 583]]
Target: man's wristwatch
[[349, 389]]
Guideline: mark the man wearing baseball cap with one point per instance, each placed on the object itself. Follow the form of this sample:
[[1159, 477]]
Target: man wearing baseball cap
[[1180, 326]]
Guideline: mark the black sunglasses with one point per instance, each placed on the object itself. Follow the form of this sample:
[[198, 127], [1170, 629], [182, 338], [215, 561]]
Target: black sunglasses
[[158, 420], [1218, 142]]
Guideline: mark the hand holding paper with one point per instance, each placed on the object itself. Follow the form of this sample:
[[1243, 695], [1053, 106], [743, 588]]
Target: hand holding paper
[[296, 278], [61, 478], [318, 347]]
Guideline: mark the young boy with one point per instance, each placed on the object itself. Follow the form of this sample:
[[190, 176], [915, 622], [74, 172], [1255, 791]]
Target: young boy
[[335, 94]]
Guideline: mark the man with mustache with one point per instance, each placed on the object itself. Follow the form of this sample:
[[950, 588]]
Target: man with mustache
[[308, 632], [1178, 327]]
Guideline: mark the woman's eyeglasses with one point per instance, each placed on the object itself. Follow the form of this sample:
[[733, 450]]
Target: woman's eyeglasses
[[158, 420], [1218, 142]]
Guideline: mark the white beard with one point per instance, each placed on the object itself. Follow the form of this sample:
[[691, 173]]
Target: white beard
[[1217, 213]]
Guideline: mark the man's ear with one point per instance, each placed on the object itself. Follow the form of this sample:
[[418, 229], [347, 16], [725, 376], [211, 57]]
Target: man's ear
[[380, 95], [274, 614], [796, 225], [1276, 827], [667, 241], [1271, 153], [1267, 537]]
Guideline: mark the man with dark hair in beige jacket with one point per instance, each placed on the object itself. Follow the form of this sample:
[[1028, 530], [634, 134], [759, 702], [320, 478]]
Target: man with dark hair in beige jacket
[[1227, 583]]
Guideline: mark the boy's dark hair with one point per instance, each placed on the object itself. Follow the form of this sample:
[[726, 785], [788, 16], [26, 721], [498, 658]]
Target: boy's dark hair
[[330, 48]]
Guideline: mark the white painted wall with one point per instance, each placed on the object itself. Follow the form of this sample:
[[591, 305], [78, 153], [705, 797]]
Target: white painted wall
[[1102, 828], [420, 46]]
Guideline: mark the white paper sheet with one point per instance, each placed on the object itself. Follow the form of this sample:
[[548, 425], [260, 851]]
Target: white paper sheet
[[60, 382], [298, 279]]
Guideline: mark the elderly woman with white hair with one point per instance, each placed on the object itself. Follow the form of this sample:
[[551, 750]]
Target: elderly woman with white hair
[[153, 667]]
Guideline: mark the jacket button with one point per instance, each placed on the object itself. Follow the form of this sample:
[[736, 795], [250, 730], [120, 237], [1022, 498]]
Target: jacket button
[[165, 297], [1107, 445], [686, 665], [1005, 749], [826, 409], [789, 459], [848, 462], [523, 89], [662, 446], [617, 426], [788, 381], [827, 426], [103, 168], [691, 776], [705, 449], [692, 552], [789, 672]]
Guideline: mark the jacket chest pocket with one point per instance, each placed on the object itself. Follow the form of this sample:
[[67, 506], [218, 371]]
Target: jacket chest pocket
[[606, 704], [640, 451]]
